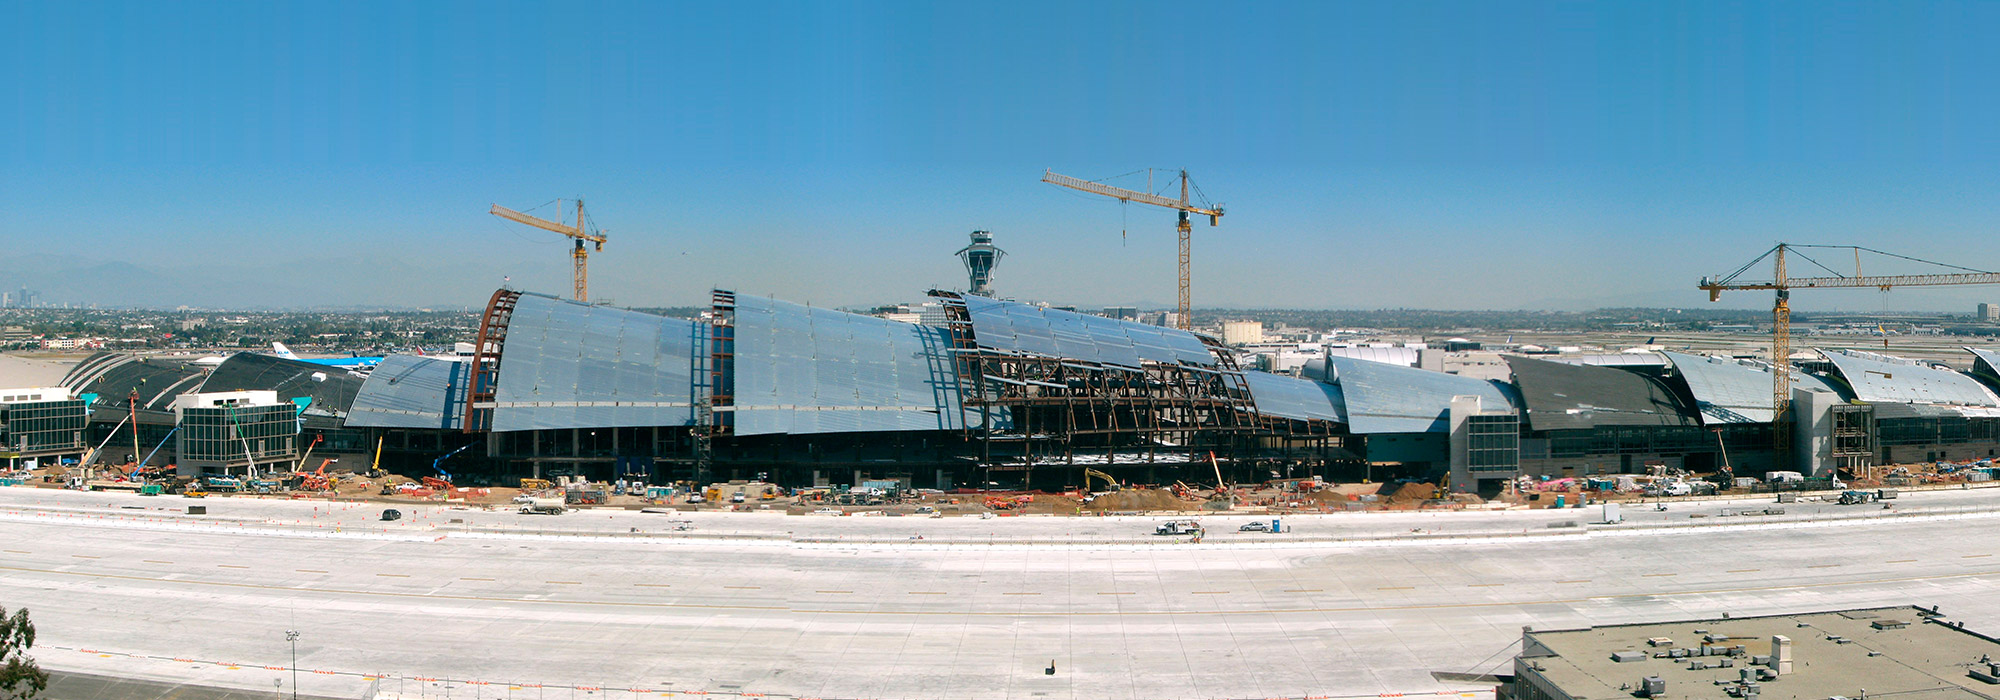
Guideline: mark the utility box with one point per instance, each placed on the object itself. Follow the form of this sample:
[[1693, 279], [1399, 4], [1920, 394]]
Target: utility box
[[1653, 686], [1611, 514]]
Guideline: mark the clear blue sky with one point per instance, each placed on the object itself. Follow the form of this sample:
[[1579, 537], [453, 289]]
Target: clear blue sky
[[1390, 154]]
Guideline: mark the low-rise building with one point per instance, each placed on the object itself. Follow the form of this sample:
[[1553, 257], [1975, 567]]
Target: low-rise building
[[1875, 652]]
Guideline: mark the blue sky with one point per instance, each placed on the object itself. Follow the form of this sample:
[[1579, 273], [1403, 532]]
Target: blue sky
[[1394, 154]]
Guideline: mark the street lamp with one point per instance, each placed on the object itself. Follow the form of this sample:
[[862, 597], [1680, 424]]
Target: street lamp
[[293, 637]]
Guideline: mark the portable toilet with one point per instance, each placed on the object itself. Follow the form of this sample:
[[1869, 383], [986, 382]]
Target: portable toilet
[[1277, 526]]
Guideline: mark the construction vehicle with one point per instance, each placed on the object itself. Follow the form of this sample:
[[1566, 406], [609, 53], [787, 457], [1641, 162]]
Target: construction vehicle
[[1183, 205], [536, 485], [1856, 498], [1110, 484], [1178, 527], [223, 484], [579, 232], [375, 467], [544, 506], [1781, 310]]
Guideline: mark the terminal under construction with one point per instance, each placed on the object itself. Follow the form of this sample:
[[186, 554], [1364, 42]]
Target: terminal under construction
[[995, 393]]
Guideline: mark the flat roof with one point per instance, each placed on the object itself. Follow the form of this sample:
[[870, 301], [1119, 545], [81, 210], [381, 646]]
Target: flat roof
[[1876, 652]]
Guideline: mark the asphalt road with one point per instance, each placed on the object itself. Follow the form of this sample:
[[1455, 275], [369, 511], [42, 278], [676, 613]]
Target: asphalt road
[[581, 605]]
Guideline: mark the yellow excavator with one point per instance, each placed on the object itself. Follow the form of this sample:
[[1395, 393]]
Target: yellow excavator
[[1110, 484]]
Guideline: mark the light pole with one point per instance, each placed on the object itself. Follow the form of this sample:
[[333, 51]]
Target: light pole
[[293, 637]]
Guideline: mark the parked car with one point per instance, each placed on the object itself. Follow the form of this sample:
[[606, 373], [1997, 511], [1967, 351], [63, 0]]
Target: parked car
[[1255, 526]]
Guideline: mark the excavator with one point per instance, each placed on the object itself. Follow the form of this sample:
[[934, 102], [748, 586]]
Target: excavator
[[1110, 484]]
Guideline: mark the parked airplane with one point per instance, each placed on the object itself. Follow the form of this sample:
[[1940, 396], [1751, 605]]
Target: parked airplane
[[280, 350]]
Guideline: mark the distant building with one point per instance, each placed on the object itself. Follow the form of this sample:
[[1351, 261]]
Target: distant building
[[1129, 313], [1875, 652], [1989, 313], [1242, 332]]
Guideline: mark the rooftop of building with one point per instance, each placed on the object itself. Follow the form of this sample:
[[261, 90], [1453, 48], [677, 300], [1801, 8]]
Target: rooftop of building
[[1905, 652]]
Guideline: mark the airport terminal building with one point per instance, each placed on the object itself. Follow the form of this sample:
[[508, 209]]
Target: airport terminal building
[[1019, 395]]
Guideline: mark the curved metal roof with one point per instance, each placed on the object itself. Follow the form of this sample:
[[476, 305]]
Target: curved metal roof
[[1405, 356], [1383, 398], [567, 364], [1888, 379], [802, 370], [1294, 398], [1732, 391], [1017, 327], [406, 391], [1561, 396]]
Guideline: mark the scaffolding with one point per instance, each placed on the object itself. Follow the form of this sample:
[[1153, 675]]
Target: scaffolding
[[1037, 410]]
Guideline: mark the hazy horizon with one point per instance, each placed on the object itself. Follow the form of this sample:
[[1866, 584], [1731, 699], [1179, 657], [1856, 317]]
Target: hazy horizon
[[1401, 155]]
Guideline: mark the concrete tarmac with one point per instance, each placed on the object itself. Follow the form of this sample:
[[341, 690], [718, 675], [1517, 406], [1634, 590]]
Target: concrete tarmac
[[599, 604]]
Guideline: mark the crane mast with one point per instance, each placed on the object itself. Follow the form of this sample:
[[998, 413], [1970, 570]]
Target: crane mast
[[1782, 284], [1186, 229], [579, 255]]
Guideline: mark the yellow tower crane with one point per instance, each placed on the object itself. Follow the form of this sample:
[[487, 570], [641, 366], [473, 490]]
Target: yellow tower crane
[[1185, 208], [1781, 312], [577, 232]]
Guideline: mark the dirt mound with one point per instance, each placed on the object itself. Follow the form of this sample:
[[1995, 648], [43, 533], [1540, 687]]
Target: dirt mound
[[1414, 492], [1138, 499]]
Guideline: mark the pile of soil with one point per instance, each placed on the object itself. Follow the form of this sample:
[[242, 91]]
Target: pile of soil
[[1138, 499], [1414, 492]]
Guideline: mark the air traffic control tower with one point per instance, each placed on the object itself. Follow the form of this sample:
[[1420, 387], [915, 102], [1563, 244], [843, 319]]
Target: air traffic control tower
[[980, 257]]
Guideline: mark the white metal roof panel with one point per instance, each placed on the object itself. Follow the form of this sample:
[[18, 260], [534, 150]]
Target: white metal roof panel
[[805, 370], [573, 365], [1734, 391], [1887, 379], [1386, 398], [406, 391], [1294, 398]]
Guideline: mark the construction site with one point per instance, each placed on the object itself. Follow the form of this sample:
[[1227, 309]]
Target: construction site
[[1065, 503]]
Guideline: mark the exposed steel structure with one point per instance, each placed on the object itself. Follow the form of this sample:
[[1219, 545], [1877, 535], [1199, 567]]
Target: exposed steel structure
[[486, 360]]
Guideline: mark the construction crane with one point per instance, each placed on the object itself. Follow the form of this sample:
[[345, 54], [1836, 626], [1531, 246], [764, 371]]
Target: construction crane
[[578, 232], [1182, 205], [1781, 311]]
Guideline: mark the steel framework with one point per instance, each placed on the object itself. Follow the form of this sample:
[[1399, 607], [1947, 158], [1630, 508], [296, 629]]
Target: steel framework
[[486, 360]]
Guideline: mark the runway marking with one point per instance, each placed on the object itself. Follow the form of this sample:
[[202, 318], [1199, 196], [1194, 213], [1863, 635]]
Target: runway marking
[[1975, 556], [1822, 566], [977, 613], [1021, 593], [744, 588], [645, 585], [309, 571], [1657, 575], [155, 561], [1486, 585], [1209, 592], [1116, 593], [230, 566], [1396, 588], [1304, 590], [1743, 571], [1580, 580], [565, 583], [16, 551], [926, 592], [463, 578], [833, 592], [85, 556], [1901, 561], [393, 575]]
